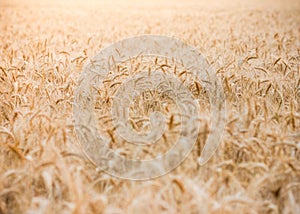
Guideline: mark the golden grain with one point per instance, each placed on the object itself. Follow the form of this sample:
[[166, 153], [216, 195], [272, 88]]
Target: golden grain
[[252, 45]]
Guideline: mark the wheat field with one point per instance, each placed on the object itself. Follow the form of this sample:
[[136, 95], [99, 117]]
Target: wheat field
[[254, 47]]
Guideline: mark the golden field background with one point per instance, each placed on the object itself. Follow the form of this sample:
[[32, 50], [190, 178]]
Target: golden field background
[[253, 45]]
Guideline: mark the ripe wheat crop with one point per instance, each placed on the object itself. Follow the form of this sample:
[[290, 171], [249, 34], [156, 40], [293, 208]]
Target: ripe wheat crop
[[254, 47]]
